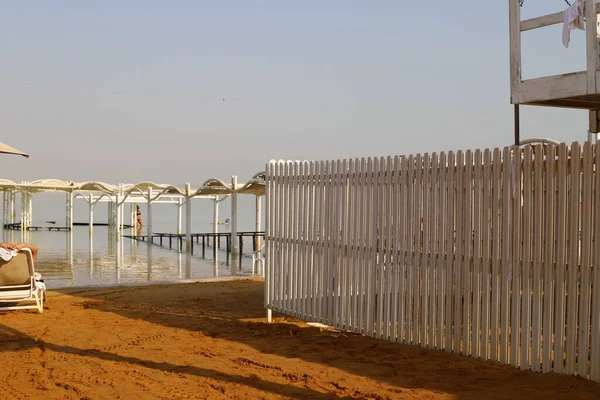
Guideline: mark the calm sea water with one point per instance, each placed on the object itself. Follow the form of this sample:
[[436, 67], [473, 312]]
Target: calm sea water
[[70, 259]]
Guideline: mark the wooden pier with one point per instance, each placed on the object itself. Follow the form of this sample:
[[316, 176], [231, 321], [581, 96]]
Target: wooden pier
[[203, 239], [126, 226], [17, 227]]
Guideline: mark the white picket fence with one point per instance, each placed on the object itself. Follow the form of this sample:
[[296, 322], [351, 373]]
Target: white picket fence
[[489, 254]]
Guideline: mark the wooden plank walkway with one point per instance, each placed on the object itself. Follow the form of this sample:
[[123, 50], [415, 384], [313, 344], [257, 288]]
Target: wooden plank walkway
[[17, 227]]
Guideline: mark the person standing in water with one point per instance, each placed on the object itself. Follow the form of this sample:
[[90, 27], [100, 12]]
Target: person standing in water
[[138, 218]]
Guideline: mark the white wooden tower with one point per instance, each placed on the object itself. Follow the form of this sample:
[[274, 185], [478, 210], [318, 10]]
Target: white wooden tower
[[579, 90]]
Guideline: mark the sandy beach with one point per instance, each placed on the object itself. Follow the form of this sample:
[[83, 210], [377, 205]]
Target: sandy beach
[[211, 341]]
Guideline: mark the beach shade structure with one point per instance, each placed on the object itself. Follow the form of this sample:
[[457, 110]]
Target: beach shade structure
[[6, 149]]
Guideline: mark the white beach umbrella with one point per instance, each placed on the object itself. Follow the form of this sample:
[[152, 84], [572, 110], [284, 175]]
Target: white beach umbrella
[[6, 149]]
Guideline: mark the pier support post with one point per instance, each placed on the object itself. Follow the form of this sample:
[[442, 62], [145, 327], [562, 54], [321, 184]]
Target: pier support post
[[188, 229], [149, 220], [70, 248], [5, 211], [234, 238], [91, 204], [29, 209], [215, 226], [118, 215], [121, 210], [12, 207], [69, 210], [149, 233], [23, 200], [91, 245], [26, 210], [258, 222], [179, 214], [5, 207], [188, 219], [110, 217], [23, 204], [216, 215]]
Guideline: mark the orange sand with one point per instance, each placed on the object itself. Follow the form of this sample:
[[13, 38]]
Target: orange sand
[[210, 340]]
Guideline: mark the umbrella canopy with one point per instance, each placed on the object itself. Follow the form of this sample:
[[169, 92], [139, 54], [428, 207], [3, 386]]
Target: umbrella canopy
[[6, 149]]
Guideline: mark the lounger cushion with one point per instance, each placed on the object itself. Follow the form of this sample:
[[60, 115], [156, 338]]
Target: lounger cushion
[[15, 272]]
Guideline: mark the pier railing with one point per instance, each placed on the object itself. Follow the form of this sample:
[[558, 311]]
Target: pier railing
[[492, 254], [203, 240]]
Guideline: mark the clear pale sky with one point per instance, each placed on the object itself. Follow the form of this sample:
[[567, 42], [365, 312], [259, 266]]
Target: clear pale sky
[[124, 91]]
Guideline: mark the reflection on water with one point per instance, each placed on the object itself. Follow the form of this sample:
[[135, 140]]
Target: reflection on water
[[79, 259]]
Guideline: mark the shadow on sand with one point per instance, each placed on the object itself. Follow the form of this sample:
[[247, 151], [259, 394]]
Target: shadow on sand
[[234, 312]]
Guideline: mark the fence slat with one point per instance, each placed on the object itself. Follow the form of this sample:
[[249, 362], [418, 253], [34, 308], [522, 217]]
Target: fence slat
[[384, 255], [460, 252], [289, 277], [372, 249], [332, 234], [270, 173], [487, 254], [403, 242], [548, 266], [293, 226], [390, 244], [277, 273], [343, 250], [477, 212], [538, 227], [297, 239], [300, 249], [351, 239], [340, 244], [410, 250], [561, 261], [586, 262], [320, 184], [324, 241], [595, 328], [527, 258], [278, 282], [330, 241], [496, 253], [396, 201], [310, 237], [508, 167], [425, 259], [516, 258], [381, 244], [442, 254], [467, 263], [450, 252], [283, 217], [362, 235], [416, 267], [433, 251], [573, 267], [309, 182]]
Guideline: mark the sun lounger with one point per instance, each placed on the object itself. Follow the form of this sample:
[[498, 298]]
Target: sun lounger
[[20, 285]]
